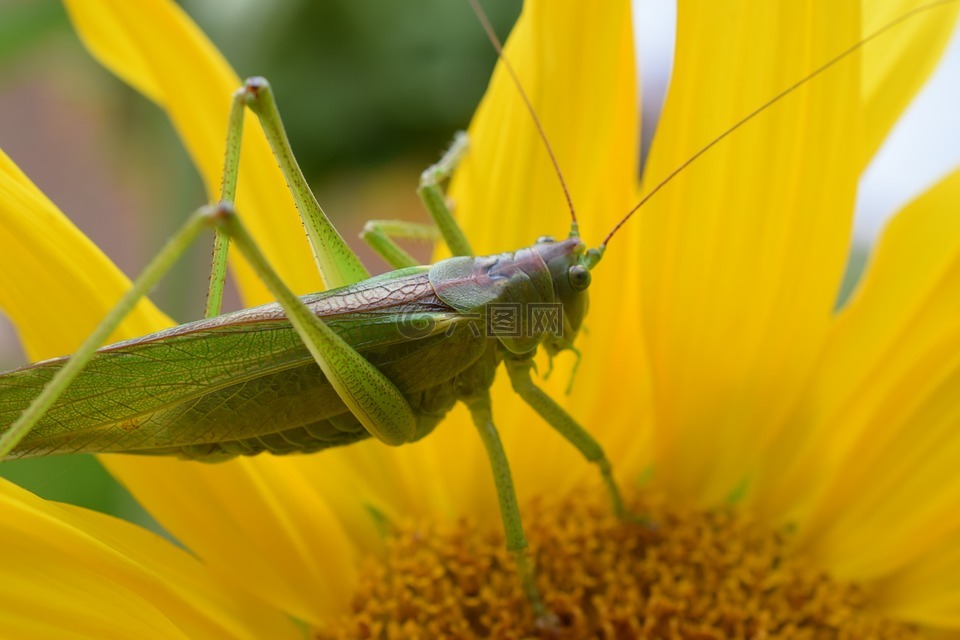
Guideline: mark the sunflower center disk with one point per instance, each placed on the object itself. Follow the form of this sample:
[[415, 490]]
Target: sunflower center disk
[[697, 575]]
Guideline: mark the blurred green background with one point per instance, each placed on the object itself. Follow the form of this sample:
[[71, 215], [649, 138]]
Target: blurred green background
[[370, 93]]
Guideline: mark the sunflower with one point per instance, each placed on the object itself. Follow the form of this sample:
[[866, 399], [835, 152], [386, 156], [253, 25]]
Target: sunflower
[[798, 460]]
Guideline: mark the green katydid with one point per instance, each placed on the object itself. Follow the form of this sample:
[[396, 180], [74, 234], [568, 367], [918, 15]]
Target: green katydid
[[395, 352]]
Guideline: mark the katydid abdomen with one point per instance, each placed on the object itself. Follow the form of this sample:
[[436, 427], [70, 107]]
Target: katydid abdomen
[[244, 383]]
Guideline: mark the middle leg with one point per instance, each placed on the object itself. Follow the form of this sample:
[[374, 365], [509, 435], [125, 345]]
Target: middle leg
[[435, 200], [379, 234]]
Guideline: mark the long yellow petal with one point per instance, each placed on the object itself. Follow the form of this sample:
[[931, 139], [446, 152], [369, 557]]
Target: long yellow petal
[[154, 45], [882, 419], [896, 66], [68, 572], [575, 61], [902, 309], [743, 253], [259, 523], [57, 285]]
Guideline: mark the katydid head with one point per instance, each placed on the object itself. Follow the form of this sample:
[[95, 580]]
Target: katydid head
[[569, 263]]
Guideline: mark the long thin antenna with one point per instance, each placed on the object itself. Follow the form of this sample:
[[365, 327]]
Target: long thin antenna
[[796, 85], [492, 35]]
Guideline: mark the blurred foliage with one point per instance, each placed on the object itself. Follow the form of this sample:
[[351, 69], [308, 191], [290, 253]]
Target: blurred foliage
[[25, 24], [359, 81], [362, 81]]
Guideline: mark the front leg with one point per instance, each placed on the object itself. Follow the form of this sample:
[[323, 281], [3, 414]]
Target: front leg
[[519, 371]]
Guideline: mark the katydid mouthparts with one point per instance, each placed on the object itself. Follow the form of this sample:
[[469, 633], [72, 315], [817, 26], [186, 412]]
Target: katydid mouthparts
[[385, 356]]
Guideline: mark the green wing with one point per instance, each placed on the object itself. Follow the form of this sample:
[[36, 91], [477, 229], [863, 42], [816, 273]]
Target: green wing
[[244, 383]]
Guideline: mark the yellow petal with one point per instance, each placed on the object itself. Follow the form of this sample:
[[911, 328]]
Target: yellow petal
[[302, 523], [259, 523], [900, 61], [743, 253], [154, 45], [881, 439], [507, 192], [575, 61], [57, 285], [68, 572]]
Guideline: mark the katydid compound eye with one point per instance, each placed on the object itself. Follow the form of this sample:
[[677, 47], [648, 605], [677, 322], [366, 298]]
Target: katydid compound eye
[[579, 277], [545, 239]]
